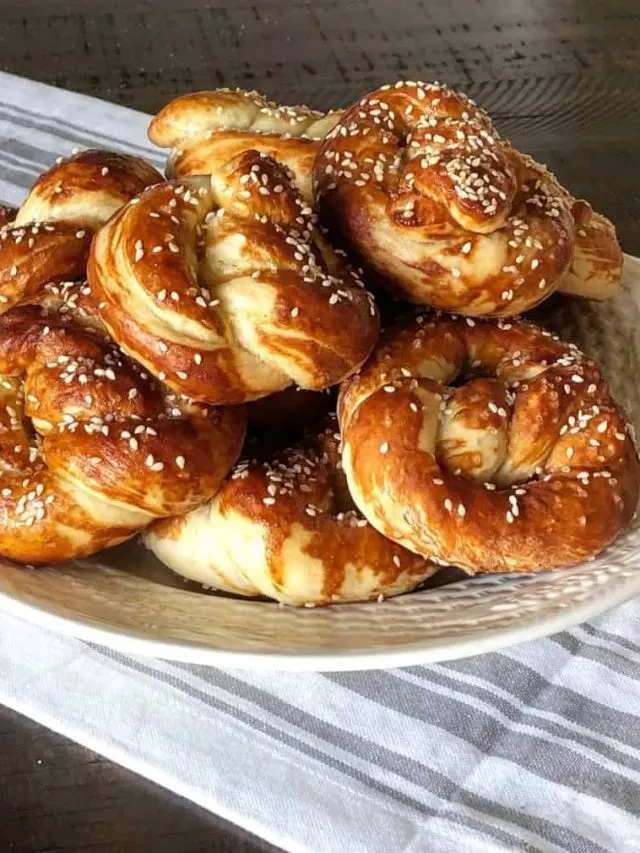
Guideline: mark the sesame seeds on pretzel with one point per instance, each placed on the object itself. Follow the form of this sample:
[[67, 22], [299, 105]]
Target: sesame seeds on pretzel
[[223, 287], [91, 449], [492, 446], [285, 527], [420, 184], [48, 239], [207, 129]]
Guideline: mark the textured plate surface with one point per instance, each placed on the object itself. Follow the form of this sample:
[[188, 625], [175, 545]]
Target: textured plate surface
[[125, 599]]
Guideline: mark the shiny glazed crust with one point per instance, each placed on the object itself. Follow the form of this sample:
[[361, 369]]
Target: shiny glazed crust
[[48, 238], [224, 288], [424, 189], [207, 129], [489, 445], [92, 450], [285, 527]]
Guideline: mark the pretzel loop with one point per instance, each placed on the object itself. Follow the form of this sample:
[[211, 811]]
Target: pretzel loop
[[224, 288], [494, 447]]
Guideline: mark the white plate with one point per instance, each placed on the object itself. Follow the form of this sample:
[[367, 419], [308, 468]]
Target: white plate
[[128, 601]]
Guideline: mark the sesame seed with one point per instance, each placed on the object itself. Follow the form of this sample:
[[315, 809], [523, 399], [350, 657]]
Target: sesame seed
[[384, 447], [180, 462], [448, 504]]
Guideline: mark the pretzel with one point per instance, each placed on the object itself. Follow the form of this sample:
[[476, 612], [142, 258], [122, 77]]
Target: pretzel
[[49, 238], [285, 527], [597, 263], [224, 289], [417, 179], [207, 129], [493, 446], [92, 450]]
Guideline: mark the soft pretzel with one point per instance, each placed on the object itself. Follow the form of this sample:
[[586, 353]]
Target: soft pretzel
[[489, 445], [49, 237], [421, 185], [285, 527], [223, 287], [596, 266], [207, 129], [92, 450]]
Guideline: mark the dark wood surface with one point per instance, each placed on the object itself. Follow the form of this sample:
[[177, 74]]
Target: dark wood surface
[[561, 77]]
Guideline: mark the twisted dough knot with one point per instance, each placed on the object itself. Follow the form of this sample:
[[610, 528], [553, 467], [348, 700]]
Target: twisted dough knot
[[420, 183], [50, 236], [91, 450], [492, 446], [207, 129], [224, 288], [286, 527]]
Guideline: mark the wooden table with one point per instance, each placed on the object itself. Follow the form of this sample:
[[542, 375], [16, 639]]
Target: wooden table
[[561, 77]]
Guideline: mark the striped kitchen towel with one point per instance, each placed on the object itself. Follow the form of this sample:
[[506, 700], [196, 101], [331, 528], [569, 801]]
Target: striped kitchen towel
[[533, 749]]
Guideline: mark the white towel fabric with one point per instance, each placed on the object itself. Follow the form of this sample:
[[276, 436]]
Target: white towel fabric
[[532, 749]]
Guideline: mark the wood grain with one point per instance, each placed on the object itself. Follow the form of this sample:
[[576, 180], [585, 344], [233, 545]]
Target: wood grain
[[561, 77], [58, 796]]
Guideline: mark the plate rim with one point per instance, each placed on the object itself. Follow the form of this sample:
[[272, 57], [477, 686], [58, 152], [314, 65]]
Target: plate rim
[[182, 651]]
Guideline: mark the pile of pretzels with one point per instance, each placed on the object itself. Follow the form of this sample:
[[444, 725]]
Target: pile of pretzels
[[171, 349]]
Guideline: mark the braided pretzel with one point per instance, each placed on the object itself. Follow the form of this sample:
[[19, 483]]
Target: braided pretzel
[[419, 182], [207, 129], [223, 288], [491, 446], [90, 449], [50, 236], [286, 527]]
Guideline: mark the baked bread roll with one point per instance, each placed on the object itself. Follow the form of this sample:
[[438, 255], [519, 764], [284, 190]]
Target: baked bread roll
[[91, 449], [207, 129], [223, 287], [285, 527], [48, 239], [421, 185], [493, 446]]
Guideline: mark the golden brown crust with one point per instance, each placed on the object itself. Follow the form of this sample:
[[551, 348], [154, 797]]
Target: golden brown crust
[[286, 528], [420, 183], [596, 265], [91, 449], [48, 238], [207, 129], [491, 446], [224, 288], [86, 189]]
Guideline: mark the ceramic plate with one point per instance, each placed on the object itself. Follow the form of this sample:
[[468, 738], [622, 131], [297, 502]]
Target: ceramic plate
[[125, 599]]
